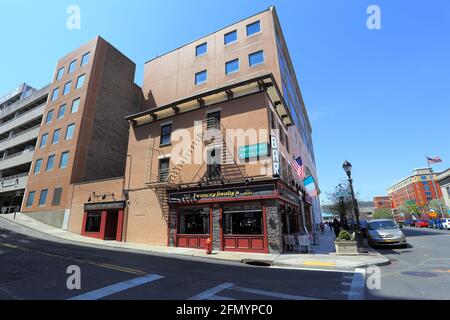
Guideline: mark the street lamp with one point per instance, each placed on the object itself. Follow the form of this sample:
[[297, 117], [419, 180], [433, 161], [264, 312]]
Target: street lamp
[[347, 166]]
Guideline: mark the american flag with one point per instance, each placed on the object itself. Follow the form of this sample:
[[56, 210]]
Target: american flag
[[434, 160], [297, 164]]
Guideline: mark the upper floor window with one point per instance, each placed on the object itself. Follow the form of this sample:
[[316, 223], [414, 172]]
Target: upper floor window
[[256, 58], [43, 198], [85, 59], [30, 198], [37, 166], [43, 140], [166, 132], [56, 135], [80, 81], [67, 88], [64, 160], [201, 49], [55, 94], [49, 117], [201, 77], [72, 66], [69, 131], [163, 169], [61, 111], [253, 28], [230, 37], [60, 73], [57, 196], [232, 66], [50, 163], [75, 105]]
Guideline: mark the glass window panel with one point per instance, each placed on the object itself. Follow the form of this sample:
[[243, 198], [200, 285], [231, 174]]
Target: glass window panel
[[232, 66], [230, 37], [253, 28], [43, 198], [75, 105], [256, 58], [201, 77], [30, 199], [201, 49]]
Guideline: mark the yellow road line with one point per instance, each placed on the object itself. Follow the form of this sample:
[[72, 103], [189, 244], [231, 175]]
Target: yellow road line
[[319, 264], [9, 245], [119, 268]]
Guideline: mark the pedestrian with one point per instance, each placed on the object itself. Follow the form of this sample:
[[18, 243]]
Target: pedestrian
[[322, 227], [330, 225], [336, 227]]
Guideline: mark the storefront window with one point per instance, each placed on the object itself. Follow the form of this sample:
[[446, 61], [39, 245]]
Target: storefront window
[[243, 219], [194, 220], [93, 221]]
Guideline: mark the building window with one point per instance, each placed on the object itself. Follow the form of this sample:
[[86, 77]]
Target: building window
[[37, 166], [273, 122], [243, 219], [85, 59], [213, 120], [214, 167], [166, 132], [253, 28], [230, 37], [256, 58], [30, 199], [93, 221], [49, 117], [201, 77], [57, 196], [201, 49], [287, 143], [56, 135], [43, 140], [75, 105], [69, 131], [43, 198], [59, 74], [448, 191], [61, 111], [163, 172], [50, 163], [232, 66], [64, 160], [67, 88], [194, 220], [80, 81], [55, 94], [72, 66]]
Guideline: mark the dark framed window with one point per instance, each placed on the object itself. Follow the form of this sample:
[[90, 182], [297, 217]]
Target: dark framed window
[[243, 219], [163, 172], [214, 167], [85, 59], [49, 117], [60, 73], [67, 87], [256, 58], [64, 160], [253, 28], [56, 135], [194, 220], [50, 163], [75, 105], [30, 199], [37, 166], [72, 66], [80, 81], [55, 94], [232, 66], [93, 221], [61, 111], [166, 132], [213, 120], [201, 49], [43, 198], [57, 196], [43, 140], [201, 77], [69, 132], [230, 37]]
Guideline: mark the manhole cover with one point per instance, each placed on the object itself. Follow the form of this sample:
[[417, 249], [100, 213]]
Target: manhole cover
[[257, 263], [423, 274]]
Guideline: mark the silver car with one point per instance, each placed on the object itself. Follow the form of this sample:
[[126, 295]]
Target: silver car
[[385, 232]]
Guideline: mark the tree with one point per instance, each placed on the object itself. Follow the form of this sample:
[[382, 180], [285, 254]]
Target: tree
[[434, 205], [382, 214], [409, 207], [341, 202]]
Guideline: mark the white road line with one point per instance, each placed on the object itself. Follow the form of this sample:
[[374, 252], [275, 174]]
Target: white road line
[[118, 287], [273, 294], [212, 292], [358, 285], [216, 297]]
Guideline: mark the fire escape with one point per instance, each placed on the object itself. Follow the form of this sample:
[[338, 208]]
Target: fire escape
[[222, 169]]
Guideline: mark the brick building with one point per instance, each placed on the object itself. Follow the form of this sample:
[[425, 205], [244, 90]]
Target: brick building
[[382, 202]]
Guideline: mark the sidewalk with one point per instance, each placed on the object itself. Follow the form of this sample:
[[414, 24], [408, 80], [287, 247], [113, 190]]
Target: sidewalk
[[322, 256]]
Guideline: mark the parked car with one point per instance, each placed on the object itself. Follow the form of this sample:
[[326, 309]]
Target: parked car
[[421, 224], [411, 223], [445, 223], [385, 232]]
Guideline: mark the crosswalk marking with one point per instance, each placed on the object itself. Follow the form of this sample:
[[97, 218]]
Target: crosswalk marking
[[118, 287], [272, 294], [358, 286], [212, 292]]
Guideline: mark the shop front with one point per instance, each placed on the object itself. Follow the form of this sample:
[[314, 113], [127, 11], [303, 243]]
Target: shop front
[[103, 220]]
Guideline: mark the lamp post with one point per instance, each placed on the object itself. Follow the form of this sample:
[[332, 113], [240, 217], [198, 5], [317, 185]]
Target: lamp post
[[348, 170]]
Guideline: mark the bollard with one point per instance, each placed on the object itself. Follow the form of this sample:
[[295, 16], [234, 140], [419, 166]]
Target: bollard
[[208, 246]]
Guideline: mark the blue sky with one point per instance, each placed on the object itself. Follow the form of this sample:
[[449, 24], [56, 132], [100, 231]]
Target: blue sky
[[379, 98]]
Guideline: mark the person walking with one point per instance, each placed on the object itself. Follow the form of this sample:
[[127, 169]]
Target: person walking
[[336, 227], [330, 225]]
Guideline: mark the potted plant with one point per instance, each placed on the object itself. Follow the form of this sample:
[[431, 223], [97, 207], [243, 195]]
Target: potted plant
[[345, 243]]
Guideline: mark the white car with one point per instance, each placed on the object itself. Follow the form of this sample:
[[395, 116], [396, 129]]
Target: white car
[[446, 223]]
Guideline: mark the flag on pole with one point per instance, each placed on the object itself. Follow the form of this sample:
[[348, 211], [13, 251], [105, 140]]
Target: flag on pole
[[297, 164], [310, 186], [433, 160]]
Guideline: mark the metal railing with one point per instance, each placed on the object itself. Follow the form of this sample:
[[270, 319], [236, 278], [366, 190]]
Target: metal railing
[[19, 104], [17, 154], [22, 114], [20, 133], [14, 177]]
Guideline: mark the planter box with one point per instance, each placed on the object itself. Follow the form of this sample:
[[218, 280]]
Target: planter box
[[346, 247]]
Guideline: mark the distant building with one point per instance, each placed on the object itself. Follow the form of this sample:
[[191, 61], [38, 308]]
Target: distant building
[[417, 188], [443, 179], [382, 202]]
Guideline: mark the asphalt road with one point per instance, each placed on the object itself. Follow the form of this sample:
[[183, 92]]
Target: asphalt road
[[34, 265], [421, 271]]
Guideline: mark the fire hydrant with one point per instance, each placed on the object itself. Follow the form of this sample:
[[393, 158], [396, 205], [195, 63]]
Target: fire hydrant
[[208, 246]]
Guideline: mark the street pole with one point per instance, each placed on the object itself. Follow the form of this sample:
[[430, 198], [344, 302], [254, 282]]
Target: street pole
[[434, 187]]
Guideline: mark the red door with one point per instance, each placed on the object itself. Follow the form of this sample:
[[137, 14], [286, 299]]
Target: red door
[[111, 225]]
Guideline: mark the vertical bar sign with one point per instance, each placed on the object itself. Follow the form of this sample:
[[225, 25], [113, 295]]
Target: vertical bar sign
[[275, 156]]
